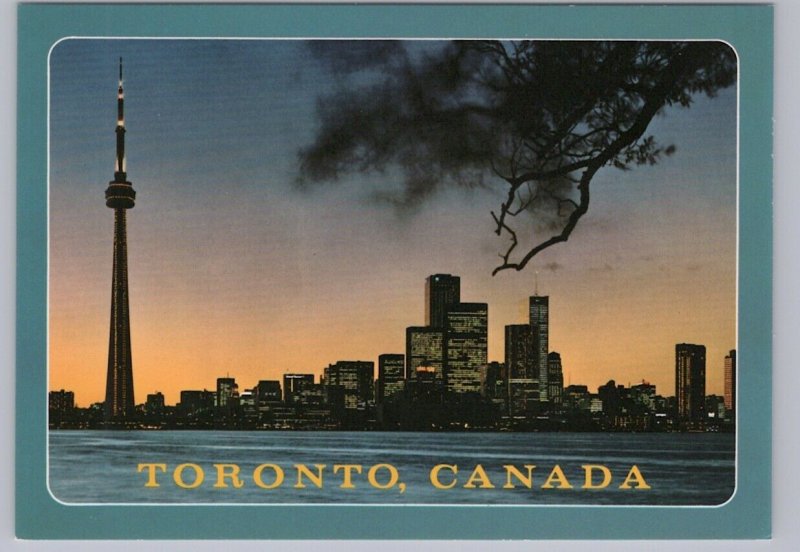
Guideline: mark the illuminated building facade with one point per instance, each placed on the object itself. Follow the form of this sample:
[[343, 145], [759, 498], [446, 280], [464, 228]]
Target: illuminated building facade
[[466, 346], [391, 375], [690, 381], [353, 379], [227, 392], [539, 307], [293, 384], [555, 381], [522, 381], [730, 381], [425, 348]]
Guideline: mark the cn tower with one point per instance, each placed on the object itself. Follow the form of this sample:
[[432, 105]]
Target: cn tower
[[120, 196]]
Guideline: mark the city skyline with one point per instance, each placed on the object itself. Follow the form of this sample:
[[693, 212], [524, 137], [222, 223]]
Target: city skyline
[[235, 270]]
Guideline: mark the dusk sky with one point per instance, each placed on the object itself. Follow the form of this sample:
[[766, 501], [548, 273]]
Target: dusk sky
[[234, 270]]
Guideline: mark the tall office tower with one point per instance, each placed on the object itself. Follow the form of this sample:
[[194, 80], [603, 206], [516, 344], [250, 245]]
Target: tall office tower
[[293, 384], [425, 348], [466, 346], [227, 392], [690, 381], [555, 380], [267, 391], [120, 196], [493, 378], [391, 375], [730, 381], [522, 382], [441, 292], [354, 380], [540, 324]]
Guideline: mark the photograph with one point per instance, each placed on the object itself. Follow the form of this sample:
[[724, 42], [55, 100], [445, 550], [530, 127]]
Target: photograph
[[344, 265], [405, 274]]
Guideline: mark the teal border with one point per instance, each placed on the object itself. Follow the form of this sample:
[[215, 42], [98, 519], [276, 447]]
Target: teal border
[[747, 28]]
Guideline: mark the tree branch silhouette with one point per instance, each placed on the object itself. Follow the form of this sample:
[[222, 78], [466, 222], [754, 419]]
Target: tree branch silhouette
[[541, 117]]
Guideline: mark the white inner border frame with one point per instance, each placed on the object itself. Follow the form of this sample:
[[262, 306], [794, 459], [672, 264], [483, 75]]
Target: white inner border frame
[[423, 504]]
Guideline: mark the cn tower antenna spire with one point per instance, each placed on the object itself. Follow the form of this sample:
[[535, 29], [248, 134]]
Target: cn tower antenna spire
[[119, 163]]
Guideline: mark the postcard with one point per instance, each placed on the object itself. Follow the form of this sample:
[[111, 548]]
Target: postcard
[[461, 272]]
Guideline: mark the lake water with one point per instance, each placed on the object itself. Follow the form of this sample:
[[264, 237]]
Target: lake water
[[101, 467]]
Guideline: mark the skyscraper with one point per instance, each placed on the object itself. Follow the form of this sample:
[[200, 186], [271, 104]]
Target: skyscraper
[[293, 384], [730, 381], [425, 348], [227, 392], [540, 325], [391, 375], [493, 384], [120, 196], [267, 391], [353, 379], [555, 381], [441, 291], [690, 381], [522, 382], [466, 346]]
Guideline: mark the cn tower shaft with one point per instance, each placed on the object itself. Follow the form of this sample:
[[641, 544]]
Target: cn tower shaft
[[120, 196]]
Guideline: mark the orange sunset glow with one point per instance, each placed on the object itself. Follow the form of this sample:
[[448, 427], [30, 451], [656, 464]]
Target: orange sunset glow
[[234, 271]]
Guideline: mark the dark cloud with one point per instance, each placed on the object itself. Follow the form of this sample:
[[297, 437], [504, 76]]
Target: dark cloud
[[349, 56]]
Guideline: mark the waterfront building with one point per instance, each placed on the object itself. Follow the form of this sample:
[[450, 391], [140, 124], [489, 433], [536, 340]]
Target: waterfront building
[[310, 395], [715, 407], [730, 381], [690, 382], [522, 384], [154, 403], [425, 348], [493, 382], [61, 401], [193, 402], [539, 312], [441, 292], [577, 397], [266, 393], [644, 394], [555, 381], [293, 384], [227, 392], [351, 382], [466, 346], [391, 376], [611, 396]]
